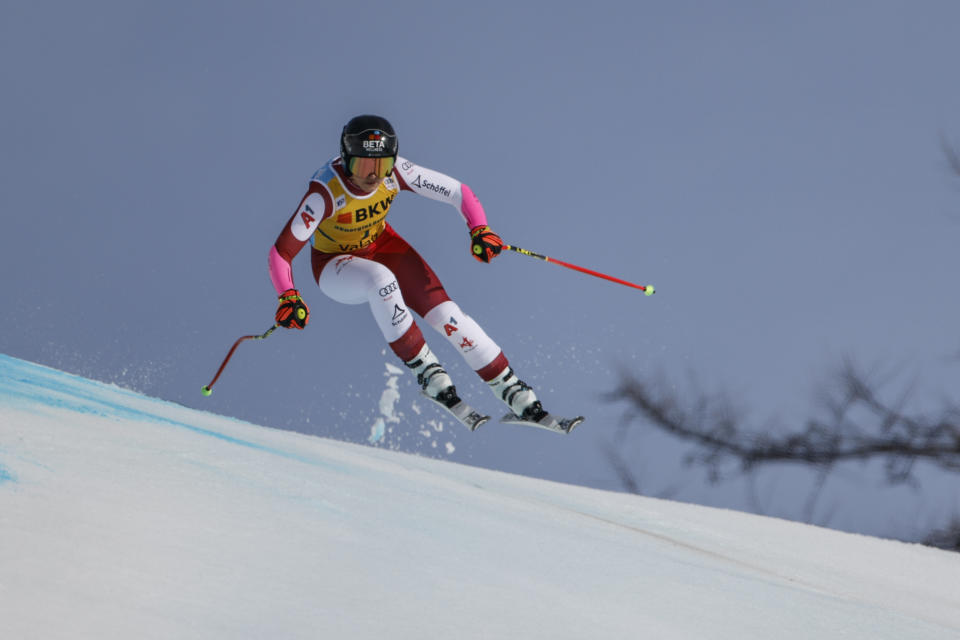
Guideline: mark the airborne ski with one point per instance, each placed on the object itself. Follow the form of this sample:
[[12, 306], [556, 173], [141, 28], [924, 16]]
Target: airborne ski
[[464, 413], [549, 422]]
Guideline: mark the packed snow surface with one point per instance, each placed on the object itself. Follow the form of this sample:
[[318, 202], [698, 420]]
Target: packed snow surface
[[123, 516]]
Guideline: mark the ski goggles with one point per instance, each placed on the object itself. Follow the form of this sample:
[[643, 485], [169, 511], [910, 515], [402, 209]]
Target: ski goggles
[[363, 167]]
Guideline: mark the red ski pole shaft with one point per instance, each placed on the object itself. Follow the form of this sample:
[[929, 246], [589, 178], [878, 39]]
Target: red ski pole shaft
[[648, 288], [206, 389]]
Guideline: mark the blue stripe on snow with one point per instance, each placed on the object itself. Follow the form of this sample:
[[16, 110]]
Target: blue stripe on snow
[[30, 386]]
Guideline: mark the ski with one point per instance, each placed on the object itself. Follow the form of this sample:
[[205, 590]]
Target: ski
[[464, 413], [548, 422]]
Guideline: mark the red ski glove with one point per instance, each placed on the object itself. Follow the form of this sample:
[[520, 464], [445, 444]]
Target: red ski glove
[[485, 244], [292, 312]]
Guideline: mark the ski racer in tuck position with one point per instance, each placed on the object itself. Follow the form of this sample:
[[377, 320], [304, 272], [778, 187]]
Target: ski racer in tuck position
[[358, 258]]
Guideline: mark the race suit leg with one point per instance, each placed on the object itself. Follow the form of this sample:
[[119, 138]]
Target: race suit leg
[[353, 280], [423, 290], [467, 337]]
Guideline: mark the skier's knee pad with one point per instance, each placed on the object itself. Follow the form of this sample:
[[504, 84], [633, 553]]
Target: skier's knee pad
[[463, 333]]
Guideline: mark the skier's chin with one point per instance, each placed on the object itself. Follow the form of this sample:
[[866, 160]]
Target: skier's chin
[[366, 184]]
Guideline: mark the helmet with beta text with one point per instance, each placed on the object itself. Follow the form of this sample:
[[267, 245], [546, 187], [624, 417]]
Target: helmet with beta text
[[368, 137]]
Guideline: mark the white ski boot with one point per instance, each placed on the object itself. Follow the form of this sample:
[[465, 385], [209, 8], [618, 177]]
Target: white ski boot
[[432, 377], [525, 407], [518, 395], [438, 387]]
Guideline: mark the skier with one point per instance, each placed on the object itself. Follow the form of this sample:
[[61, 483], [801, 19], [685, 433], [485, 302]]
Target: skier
[[358, 258]]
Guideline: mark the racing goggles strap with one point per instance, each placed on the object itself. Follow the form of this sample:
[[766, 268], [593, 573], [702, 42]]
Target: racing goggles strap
[[380, 167]]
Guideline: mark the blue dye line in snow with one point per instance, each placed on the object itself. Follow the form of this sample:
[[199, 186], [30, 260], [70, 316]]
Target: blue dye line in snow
[[39, 385], [6, 475]]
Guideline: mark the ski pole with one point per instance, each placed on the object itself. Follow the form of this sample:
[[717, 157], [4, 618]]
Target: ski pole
[[206, 389], [647, 289]]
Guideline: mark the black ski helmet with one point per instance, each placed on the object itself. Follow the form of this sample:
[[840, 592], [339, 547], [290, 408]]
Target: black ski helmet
[[367, 137]]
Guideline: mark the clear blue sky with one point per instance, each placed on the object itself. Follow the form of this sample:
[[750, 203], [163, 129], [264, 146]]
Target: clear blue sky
[[773, 168]]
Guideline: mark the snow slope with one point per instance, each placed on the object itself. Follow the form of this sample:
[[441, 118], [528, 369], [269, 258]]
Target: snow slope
[[123, 516]]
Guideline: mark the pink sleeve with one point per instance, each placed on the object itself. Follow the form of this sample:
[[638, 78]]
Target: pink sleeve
[[281, 275], [301, 225], [471, 208]]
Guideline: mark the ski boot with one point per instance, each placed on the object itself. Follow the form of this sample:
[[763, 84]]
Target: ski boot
[[437, 386], [524, 406]]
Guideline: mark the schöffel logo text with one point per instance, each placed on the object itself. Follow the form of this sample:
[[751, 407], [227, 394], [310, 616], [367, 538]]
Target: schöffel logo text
[[399, 315], [432, 186]]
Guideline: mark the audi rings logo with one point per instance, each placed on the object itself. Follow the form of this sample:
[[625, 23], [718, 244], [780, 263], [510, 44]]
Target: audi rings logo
[[387, 290]]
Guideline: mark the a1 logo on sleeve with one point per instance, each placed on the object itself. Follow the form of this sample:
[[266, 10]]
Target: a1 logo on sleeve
[[307, 218]]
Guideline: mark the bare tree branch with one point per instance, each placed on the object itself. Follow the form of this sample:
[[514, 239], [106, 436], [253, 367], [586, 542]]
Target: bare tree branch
[[947, 538], [622, 468], [860, 426], [953, 157]]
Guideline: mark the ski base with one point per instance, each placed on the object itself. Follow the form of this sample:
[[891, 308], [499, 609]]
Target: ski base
[[549, 422], [464, 413]]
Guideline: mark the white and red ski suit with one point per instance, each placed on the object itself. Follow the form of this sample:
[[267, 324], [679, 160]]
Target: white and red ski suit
[[358, 258]]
